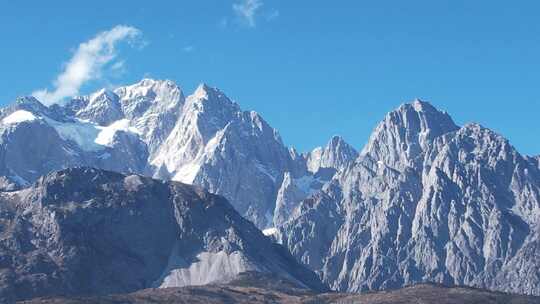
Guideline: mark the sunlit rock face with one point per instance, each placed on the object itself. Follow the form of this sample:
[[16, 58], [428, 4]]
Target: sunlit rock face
[[426, 201]]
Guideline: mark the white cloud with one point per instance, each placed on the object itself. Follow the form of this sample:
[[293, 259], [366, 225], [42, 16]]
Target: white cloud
[[88, 62], [188, 48], [247, 10]]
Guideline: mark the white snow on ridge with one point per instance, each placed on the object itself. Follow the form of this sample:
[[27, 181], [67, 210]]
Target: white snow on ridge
[[18, 116], [89, 136], [270, 231], [106, 134]]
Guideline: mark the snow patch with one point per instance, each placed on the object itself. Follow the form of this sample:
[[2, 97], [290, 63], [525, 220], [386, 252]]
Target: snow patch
[[18, 116], [187, 173], [106, 134], [89, 136], [270, 231]]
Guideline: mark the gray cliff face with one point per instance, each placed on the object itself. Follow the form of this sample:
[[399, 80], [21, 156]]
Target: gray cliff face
[[150, 128], [86, 231], [425, 201]]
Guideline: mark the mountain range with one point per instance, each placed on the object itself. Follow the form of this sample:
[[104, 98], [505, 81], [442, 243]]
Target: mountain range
[[425, 200], [150, 128]]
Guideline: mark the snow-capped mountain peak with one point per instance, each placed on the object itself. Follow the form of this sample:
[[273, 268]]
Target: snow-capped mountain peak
[[207, 98], [102, 107], [202, 91], [28, 103], [162, 90]]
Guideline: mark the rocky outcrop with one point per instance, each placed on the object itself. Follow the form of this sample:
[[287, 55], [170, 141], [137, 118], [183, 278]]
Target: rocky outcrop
[[86, 231]]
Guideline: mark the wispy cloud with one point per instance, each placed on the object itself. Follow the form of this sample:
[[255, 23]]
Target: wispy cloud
[[88, 62], [247, 11]]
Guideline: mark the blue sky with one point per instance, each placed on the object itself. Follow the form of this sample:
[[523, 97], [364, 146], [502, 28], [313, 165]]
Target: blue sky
[[311, 68]]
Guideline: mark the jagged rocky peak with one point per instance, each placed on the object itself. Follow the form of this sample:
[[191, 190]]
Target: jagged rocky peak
[[28, 108], [149, 96], [337, 154], [102, 107], [204, 91], [150, 88], [206, 111], [226, 150], [26, 103], [462, 209], [404, 134], [207, 98], [319, 167]]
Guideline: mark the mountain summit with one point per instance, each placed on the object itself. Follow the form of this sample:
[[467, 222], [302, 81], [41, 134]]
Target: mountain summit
[[426, 201]]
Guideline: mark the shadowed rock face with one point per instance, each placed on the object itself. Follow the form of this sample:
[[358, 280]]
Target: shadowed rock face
[[85, 231], [425, 201], [254, 288]]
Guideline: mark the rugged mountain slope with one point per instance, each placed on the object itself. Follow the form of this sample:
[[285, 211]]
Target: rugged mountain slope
[[150, 128], [254, 288], [227, 151], [86, 231], [425, 201], [321, 164]]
